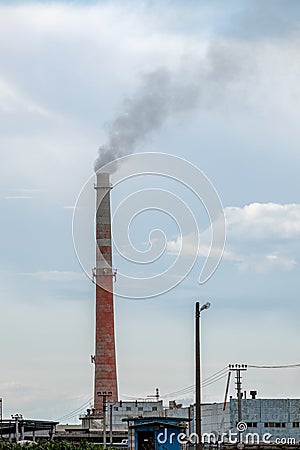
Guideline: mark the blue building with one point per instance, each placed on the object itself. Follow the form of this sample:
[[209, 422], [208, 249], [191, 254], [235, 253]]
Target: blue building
[[156, 433]]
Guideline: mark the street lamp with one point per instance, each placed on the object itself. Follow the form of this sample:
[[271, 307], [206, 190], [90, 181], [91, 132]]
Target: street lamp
[[198, 373]]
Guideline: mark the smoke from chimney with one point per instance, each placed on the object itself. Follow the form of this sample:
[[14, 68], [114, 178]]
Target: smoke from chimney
[[164, 93]]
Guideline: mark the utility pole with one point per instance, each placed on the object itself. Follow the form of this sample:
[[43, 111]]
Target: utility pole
[[156, 396], [198, 379], [238, 368], [17, 417], [1, 414], [198, 373], [17, 428], [110, 425], [104, 396]]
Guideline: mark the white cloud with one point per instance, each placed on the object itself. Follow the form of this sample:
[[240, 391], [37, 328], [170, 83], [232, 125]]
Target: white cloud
[[21, 193], [260, 237], [18, 197], [263, 237], [266, 263], [259, 221], [12, 100], [56, 275]]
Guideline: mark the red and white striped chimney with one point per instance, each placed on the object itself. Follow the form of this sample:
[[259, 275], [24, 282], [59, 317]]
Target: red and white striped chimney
[[105, 355]]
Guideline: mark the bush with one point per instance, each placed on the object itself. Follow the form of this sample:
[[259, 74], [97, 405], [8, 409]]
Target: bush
[[52, 445]]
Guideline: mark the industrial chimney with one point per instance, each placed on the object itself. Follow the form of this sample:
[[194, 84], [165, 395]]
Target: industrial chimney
[[105, 382]]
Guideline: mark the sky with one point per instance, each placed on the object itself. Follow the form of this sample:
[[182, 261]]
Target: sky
[[215, 85]]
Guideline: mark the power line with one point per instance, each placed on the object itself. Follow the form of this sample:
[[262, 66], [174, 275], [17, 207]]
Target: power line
[[206, 382], [217, 376], [183, 391], [214, 381], [75, 411], [287, 366], [142, 399], [225, 369]]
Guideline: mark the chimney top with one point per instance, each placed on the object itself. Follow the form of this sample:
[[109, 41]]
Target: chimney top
[[103, 180]]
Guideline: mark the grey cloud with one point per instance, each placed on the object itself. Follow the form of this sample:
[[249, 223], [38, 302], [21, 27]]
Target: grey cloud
[[164, 93], [266, 19]]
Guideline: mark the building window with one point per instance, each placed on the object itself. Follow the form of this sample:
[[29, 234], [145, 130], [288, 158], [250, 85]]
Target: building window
[[128, 408], [296, 424], [251, 424], [140, 408], [154, 408], [274, 424]]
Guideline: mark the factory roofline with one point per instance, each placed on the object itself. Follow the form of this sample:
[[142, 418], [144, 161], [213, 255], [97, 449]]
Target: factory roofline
[[154, 420], [9, 425]]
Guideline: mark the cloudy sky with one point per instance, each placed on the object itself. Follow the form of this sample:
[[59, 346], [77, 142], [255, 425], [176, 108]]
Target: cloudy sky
[[217, 85]]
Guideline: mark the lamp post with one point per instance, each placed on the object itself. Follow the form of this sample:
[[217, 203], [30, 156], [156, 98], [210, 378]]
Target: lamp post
[[198, 373]]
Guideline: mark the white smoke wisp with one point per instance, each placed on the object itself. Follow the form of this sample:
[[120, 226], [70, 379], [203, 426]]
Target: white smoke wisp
[[164, 93]]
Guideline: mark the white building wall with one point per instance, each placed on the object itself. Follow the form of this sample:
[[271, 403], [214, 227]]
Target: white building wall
[[124, 410], [214, 419], [278, 417]]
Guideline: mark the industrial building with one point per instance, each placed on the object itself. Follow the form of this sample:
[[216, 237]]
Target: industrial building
[[271, 420], [18, 429], [278, 417], [266, 420]]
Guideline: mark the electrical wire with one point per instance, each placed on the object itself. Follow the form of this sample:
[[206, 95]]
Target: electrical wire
[[214, 381], [217, 376], [206, 382], [180, 392], [75, 411], [287, 366], [222, 372], [225, 369], [139, 399]]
